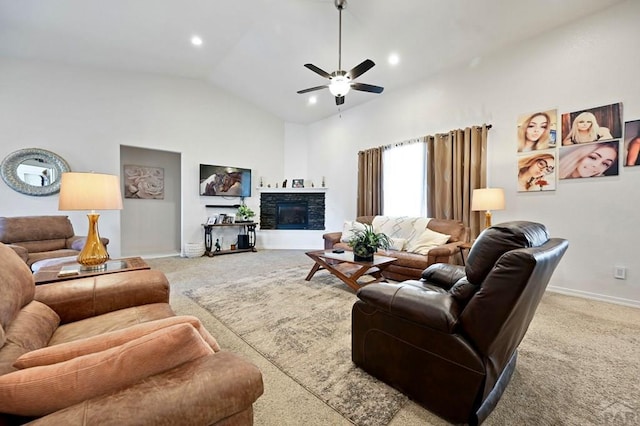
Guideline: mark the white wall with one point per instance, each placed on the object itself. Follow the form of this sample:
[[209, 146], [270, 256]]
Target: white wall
[[85, 115], [591, 63]]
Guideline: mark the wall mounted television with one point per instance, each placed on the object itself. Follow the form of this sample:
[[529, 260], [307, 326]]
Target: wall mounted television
[[225, 181]]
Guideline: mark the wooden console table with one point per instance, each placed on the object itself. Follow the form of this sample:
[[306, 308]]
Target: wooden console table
[[55, 273], [250, 231]]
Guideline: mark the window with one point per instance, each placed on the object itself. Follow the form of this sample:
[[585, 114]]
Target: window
[[404, 180]]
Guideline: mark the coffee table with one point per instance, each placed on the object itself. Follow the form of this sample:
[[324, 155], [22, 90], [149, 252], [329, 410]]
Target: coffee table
[[71, 270], [349, 271]]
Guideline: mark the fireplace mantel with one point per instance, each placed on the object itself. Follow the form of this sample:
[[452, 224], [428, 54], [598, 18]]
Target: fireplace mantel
[[291, 190]]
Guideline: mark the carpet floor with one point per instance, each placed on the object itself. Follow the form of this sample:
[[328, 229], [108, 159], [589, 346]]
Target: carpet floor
[[577, 365]]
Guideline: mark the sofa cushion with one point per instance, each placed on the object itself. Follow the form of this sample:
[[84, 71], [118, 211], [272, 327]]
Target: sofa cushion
[[348, 230], [427, 240], [31, 329], [110, 321], [41, 390], [33, 326], [35, 228], [16, 286], [89, 345]]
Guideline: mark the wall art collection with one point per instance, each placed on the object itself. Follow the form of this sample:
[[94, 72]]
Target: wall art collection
[[588, 146]]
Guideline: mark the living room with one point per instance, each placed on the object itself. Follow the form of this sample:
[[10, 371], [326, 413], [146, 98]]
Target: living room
[[87, 114]]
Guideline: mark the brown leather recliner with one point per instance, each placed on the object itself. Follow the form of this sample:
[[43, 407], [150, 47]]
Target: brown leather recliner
[[449, 340]]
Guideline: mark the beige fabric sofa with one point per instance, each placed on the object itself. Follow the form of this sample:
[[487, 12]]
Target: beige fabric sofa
[[109, 350], [36, 238], [410, 265]]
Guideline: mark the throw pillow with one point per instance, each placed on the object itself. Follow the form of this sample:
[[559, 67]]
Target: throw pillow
[[398, 243], [69, 350], [348, 229], [42, 390], [426, 241]]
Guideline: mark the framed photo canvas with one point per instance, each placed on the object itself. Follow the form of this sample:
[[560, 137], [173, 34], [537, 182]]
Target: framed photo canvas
[[143, 182], [632, 143], [537, 171], [297, 183], [587, 160]]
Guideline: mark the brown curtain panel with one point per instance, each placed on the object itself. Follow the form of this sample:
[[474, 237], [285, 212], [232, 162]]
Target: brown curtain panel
[[370, 182], [456, 165]]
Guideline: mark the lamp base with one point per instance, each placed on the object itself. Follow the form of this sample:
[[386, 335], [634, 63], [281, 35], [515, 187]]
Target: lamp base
[[93, 255], [487, 219]]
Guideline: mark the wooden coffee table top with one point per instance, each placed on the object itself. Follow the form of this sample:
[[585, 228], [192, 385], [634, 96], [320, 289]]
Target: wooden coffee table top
[[348, 270], [52, 274]]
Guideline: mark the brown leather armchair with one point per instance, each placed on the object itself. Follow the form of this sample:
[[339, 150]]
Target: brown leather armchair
[[109, 350], [449, 341]]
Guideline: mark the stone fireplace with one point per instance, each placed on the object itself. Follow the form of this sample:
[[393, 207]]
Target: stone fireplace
[[292, 210]]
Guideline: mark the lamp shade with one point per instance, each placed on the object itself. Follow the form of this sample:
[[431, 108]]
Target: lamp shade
[[487, 199], [89, 191]]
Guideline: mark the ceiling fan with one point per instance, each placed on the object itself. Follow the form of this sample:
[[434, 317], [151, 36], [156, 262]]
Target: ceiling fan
[[341, 81]]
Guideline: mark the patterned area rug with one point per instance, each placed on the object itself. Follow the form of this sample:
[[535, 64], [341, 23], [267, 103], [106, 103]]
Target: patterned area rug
[[304, 328]]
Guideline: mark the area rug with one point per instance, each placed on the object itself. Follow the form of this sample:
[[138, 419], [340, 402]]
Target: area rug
[[304, 329]]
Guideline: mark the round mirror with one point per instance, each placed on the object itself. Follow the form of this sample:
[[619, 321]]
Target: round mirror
[[33, 171]]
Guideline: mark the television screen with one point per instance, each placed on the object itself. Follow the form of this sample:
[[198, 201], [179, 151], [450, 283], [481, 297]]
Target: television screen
[[225, 181]]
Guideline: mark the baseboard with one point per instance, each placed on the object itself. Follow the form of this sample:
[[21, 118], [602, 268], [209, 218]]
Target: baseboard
[[595, 296]]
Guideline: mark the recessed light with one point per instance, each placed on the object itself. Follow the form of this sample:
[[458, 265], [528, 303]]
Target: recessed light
[[394, 59], [313, 100], [196, 41]]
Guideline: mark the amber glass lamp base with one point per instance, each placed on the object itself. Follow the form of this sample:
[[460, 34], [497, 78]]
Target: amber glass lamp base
[[93, 255], [487, 219]]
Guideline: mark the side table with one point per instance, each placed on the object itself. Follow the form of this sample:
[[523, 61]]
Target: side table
[[70, 270], [462, 247]]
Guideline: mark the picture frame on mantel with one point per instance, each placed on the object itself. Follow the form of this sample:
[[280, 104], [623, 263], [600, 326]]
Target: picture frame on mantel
[[297, 183]]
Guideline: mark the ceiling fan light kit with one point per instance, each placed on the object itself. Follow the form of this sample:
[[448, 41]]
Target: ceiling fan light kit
[[340, 82]]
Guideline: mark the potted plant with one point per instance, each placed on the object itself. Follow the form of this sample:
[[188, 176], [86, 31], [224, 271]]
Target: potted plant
[[365, 242], [245, 213]]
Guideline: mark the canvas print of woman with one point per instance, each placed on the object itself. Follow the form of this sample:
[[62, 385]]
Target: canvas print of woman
[[589, 160], [537, 131], [632, 143], [537, 171], [592, 125]]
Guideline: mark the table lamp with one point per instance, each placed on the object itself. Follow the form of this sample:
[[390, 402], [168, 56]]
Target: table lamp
[[90, 191], [487, 199]]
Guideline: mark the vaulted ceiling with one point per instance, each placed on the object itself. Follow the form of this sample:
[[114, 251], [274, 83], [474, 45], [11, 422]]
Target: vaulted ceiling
[[256, 49]]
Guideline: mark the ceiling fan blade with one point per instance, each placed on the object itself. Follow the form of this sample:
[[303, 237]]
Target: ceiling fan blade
[[339, 100], [311, 89], [318, 70], [367, 87], [360, 69]]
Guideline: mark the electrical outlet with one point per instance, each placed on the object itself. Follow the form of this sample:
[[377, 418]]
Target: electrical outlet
[[620, 272]]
